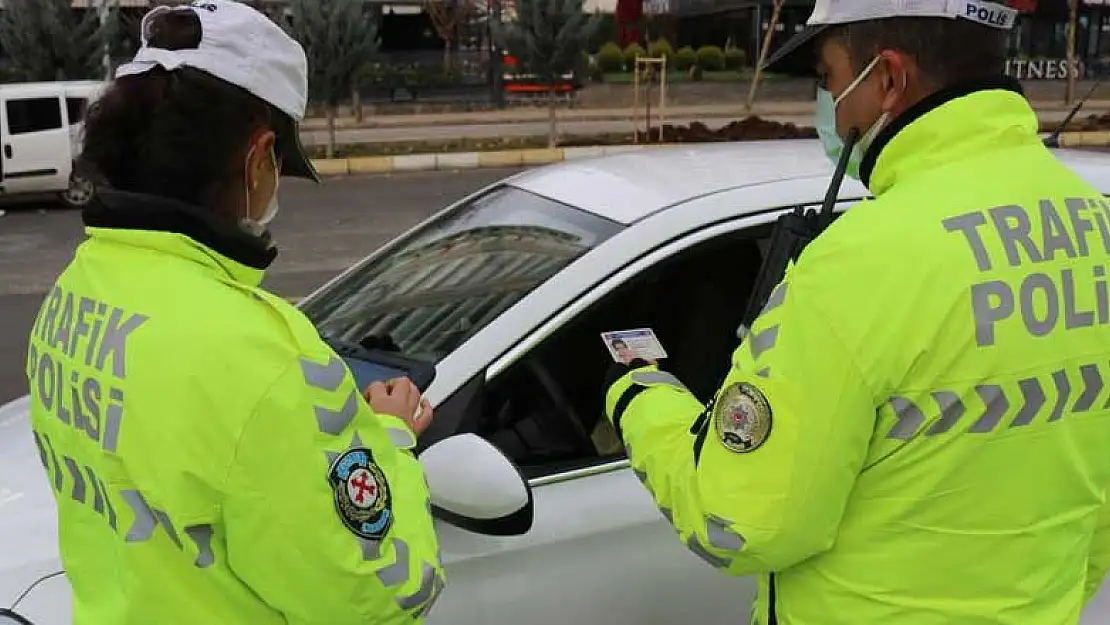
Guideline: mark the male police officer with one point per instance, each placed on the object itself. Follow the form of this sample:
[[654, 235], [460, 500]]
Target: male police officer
[[916, 431]]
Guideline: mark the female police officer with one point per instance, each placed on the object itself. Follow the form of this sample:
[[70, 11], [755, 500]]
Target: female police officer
[[213, 460]]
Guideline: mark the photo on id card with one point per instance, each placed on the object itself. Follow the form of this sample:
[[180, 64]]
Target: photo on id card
[[626, 345]]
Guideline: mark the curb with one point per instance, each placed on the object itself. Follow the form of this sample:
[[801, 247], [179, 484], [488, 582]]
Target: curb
[[1085, 139], [360, 165]]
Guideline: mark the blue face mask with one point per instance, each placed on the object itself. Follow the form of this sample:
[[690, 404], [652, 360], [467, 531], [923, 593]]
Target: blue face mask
[[826, 125]]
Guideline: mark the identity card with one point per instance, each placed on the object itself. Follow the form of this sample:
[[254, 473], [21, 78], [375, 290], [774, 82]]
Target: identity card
[[626, 345]]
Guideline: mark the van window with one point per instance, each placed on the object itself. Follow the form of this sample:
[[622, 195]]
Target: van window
[[75, 109], [34, 115]]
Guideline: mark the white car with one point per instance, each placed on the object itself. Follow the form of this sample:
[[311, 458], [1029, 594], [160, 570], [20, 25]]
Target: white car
[[507, 292], [40, 136]]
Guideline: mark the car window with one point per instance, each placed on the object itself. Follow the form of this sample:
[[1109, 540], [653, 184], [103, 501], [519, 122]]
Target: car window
[[445, 282], [75, 110], [546, 410], [33, 115]]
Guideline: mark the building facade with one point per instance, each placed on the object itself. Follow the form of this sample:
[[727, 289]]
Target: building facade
[[1038, 46]]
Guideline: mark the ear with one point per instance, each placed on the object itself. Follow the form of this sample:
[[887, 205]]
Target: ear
[[896, 69], [259, 161]]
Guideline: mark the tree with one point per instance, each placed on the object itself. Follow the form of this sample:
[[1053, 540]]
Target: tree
[[340, 37], [446, 17], [547, 38], [775, 11], [48, 40]]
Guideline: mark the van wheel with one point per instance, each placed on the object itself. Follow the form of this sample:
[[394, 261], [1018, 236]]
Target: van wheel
[[79, 193]]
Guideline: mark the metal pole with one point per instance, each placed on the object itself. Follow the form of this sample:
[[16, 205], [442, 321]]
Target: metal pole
[[636, 101], [496, 66], [1069, 87], [662, 99]]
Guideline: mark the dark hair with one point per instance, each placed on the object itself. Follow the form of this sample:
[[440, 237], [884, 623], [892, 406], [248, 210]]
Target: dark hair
[[180, 134], [947, 51]]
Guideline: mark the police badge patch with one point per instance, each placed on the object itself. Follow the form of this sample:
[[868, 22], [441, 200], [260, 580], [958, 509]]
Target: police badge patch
[[362, 495], [743, 418]]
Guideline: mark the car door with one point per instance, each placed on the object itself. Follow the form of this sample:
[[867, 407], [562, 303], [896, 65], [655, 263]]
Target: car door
[[599, 551], [36, 149]]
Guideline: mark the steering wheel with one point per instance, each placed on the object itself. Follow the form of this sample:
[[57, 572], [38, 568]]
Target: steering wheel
[[555, 392]]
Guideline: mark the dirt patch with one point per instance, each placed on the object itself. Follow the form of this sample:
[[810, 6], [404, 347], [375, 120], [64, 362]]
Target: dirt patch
[[752, 128], [749, 129], [1085, 124]]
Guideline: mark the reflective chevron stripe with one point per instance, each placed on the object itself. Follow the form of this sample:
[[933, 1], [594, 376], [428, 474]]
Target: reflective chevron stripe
[[148, 518], [327, 377], [1092, 386], [398, 573], [330, 377], [949, 407], [764, 341], [716, 529]]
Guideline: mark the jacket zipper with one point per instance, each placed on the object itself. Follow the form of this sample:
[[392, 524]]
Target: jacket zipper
[[772, 618]]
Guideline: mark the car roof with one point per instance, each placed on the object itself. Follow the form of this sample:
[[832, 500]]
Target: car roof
[[630, 186]]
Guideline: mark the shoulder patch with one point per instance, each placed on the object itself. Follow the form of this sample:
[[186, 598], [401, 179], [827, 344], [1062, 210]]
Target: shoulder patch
[[742, 417], [362, 496]]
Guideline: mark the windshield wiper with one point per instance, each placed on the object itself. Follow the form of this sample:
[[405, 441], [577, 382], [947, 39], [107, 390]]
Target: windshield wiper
[[1053, 140]]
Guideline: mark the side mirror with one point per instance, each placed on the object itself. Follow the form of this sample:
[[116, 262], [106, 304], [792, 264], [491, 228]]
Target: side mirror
[[475, 487]]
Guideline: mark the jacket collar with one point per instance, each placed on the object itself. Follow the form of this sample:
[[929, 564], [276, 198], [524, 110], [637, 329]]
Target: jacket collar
[[947, 126], [174, 227]]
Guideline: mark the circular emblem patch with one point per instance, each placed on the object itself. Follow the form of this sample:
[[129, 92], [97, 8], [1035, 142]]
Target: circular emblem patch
[[362, 496], [742, 417]]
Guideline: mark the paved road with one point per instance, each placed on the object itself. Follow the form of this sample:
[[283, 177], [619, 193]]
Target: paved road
[[322, 230], [530, 129]]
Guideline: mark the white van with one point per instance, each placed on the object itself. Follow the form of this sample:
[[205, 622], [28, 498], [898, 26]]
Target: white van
[[40, 126]]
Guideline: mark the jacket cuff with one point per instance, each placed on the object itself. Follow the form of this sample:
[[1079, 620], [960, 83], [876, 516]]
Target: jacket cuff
[[400, 434]]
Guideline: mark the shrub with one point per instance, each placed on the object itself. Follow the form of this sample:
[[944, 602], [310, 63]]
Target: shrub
[[711, 58], [685, 58], [610, 58], [661, 48], [631, 52], [735, 58]]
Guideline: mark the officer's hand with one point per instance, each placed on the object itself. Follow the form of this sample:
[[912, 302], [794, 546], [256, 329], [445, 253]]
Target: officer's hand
[[618, 370], [400, 397]]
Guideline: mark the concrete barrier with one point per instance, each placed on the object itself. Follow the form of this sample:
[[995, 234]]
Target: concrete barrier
[[544, 156]]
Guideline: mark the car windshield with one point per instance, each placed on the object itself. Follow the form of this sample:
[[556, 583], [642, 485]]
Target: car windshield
[[447, 280]]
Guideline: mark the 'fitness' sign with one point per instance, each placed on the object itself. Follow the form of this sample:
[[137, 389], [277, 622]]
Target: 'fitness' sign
[[1043, 69]]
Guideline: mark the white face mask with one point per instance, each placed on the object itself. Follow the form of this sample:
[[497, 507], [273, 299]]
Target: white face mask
[[258, 226], [826, 124]]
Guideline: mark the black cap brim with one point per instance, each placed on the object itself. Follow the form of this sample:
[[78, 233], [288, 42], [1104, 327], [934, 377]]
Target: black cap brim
[[294, 158], [798, 56]]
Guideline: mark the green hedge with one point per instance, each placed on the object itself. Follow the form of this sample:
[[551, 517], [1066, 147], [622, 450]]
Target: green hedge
[[711, 58], [610, 58]]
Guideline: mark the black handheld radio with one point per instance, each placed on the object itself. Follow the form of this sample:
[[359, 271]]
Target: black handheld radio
[[792, 233]]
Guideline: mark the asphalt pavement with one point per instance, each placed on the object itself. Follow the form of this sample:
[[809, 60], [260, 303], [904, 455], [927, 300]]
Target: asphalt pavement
[[321, 230]]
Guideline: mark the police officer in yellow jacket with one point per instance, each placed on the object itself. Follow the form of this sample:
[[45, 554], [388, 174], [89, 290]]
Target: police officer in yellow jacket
[[916, 431], [212, 458]]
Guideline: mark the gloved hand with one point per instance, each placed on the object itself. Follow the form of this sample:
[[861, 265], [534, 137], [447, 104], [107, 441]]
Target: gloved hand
[[618, 370]]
